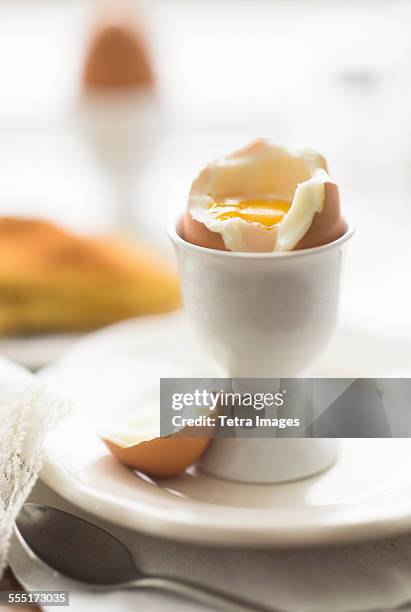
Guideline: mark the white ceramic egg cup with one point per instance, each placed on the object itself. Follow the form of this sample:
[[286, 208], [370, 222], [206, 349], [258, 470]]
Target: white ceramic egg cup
[[120, 130], [263, 315]]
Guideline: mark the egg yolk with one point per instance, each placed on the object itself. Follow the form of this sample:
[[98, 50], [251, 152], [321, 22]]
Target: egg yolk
[[265, 212]]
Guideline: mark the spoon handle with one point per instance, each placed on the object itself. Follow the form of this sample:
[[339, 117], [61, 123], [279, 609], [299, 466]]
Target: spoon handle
[[209, 597]]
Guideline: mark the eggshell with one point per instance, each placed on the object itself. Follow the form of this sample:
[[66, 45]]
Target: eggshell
[[117, 57], [163, 457], [327, 226], [197, 233]]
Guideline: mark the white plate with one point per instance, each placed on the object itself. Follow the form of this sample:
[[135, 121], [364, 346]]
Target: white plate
[[366, 494]]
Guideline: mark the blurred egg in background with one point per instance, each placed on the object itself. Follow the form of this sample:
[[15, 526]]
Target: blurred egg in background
[[117, 110]]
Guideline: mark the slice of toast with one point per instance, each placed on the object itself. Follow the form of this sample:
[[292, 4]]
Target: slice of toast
[[52, 280]]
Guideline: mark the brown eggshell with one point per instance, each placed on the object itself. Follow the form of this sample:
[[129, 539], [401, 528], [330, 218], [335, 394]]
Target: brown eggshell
[[326, 226], [197, 233], [117, 57], [163, 457]]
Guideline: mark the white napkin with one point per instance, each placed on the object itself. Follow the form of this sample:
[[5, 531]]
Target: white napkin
[[27, 411]]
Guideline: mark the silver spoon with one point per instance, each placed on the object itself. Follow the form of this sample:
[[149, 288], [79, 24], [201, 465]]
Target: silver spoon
[[88, 554]]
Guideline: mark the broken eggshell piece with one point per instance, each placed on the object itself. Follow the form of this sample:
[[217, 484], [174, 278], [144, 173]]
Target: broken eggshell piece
[[263, 198], [138, 445]]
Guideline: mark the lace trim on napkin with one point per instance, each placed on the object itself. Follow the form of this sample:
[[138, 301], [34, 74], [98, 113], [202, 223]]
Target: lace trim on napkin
[[28, 410]]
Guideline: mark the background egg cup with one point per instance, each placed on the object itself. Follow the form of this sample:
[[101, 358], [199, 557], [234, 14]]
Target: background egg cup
[[263, 315]]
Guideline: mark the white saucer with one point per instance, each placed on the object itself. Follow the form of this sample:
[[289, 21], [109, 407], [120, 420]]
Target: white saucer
[[366, 494]]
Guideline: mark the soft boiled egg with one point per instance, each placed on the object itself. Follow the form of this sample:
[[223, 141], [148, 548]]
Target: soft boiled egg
[[137, 444], [265, 197]]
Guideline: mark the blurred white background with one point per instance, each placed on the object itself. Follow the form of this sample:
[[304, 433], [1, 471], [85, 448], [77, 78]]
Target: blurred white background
[[335, 75]]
